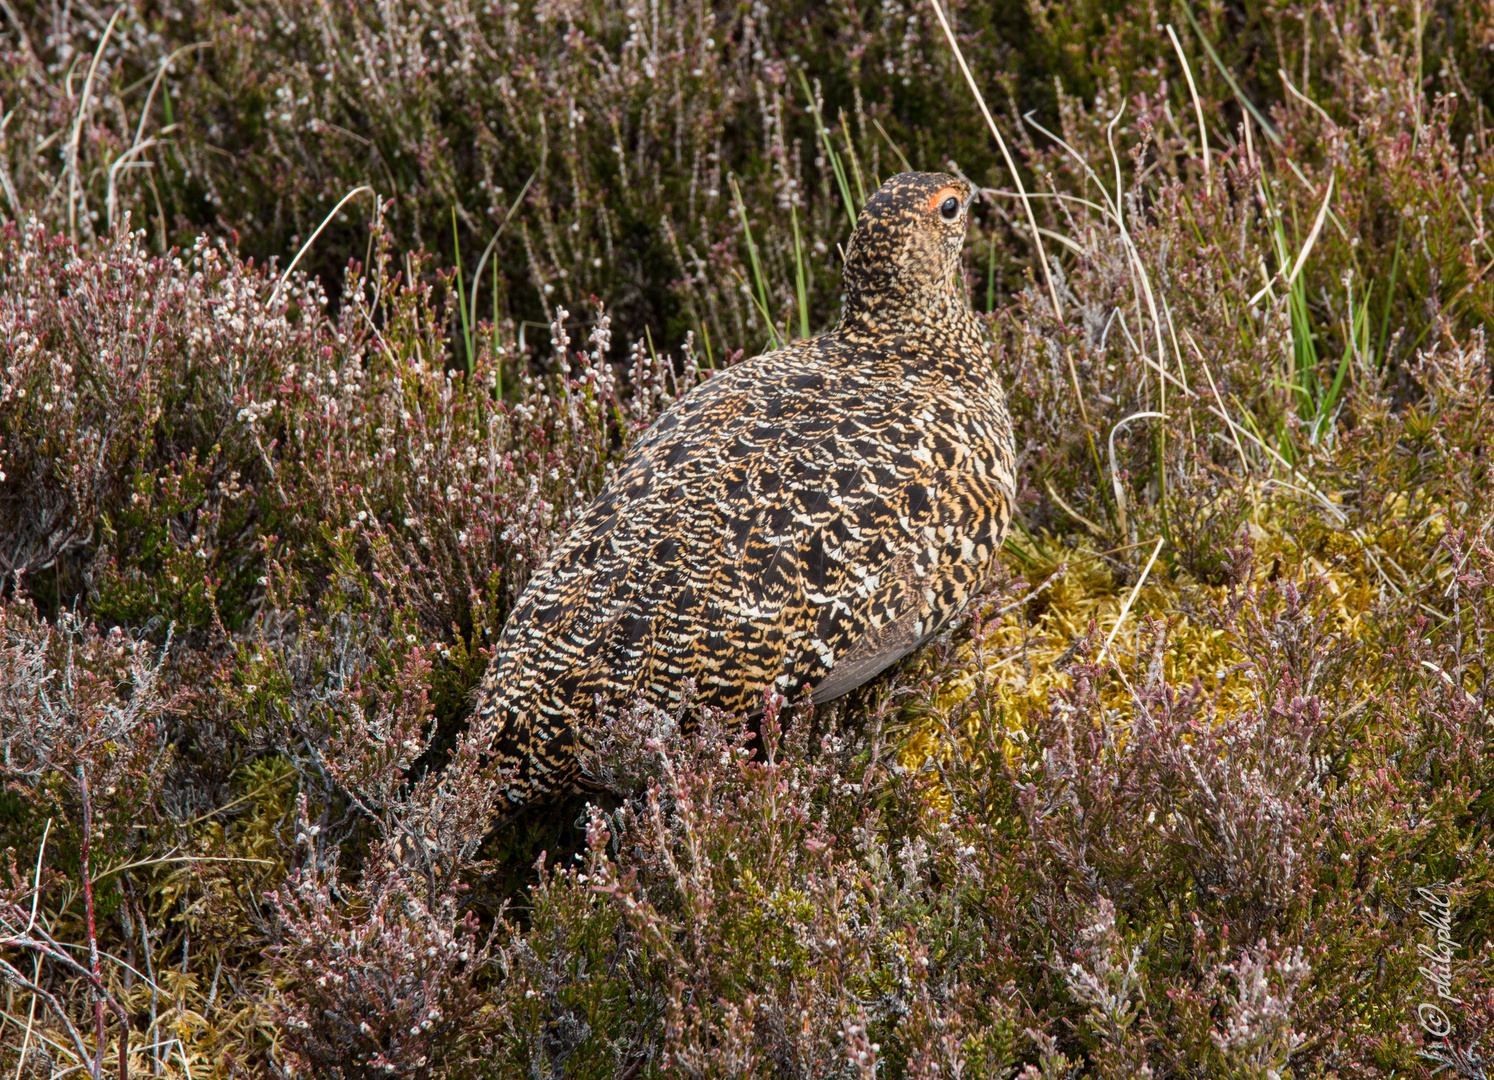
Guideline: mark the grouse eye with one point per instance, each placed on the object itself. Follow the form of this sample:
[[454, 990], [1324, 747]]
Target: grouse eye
[[950, 208]]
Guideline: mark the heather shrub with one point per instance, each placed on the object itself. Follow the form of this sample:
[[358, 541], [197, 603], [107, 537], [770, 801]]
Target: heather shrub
[[386, 981], [1199, 787], [754, 913]]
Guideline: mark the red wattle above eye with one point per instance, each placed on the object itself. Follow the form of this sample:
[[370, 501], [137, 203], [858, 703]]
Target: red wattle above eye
[[941, 195]]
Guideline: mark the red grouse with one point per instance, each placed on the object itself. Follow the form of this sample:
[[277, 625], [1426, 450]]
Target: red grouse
[[802, 520]]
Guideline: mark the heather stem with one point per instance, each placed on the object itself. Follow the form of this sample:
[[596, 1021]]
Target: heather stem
[[99, 995], [93, 941]]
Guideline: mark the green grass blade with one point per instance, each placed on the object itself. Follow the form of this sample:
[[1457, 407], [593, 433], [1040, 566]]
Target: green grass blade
[[840, 178], [1330, 399], [830, 155], [1305, 353], [477, 274], [991, 277], [895, 148], [1159, 443], [799, 274], [462, 295], [1358, 342], [1265, 125], [845, 132], [1395, 266], [773, 342], [757, 270], [497, 364]]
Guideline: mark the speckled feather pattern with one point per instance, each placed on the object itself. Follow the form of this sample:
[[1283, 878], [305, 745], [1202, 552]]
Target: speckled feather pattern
[[802, 520]]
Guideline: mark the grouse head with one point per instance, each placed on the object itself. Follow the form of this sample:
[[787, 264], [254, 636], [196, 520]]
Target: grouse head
[[903, 262]]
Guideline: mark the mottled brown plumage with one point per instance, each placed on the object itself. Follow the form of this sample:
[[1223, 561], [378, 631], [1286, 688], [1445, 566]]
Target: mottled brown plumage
[[802, 520]]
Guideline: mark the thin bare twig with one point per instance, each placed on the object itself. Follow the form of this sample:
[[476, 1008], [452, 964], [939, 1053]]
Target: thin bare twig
[[1312, 238], [1126, 609], [1060, 572], [1203, 132], [72, 146], [279, 285], [12, 975]]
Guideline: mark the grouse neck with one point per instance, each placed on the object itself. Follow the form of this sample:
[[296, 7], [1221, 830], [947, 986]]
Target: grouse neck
[[879, 316]]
